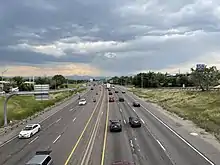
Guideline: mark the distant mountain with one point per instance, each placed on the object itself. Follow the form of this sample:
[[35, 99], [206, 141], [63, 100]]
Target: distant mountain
[[77, 77]]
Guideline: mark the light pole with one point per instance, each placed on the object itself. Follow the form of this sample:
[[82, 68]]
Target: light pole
[[2, 78]]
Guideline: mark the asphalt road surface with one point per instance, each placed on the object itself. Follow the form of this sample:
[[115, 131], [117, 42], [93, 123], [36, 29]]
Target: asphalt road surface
[[79, 135]]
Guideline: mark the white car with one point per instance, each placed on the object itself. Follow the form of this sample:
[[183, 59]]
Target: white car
[[29, 130], [82, 102]]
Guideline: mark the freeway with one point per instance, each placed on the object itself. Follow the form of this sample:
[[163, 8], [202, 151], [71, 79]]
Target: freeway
[[79, 135], [59, 133]]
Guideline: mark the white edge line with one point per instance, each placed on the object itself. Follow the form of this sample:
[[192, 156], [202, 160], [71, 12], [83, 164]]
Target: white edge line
[[74, 119], [192, 147], [161, 145], [33, 140], [4, 143], [56, 139]]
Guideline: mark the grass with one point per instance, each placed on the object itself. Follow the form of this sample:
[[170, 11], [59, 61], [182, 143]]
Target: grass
[[203, 108], [20, 107], [74, 85]]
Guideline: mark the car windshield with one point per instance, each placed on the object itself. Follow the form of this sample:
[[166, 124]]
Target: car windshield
[[82, 100], [27, 128]]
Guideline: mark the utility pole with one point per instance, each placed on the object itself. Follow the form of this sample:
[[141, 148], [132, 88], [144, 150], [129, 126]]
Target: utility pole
[[142, 81]]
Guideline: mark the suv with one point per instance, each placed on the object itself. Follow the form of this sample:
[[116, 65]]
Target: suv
[[136, 104], [121, 99], [41, 158], [111, 99], [134, 122], [116, 91], [115, 126]]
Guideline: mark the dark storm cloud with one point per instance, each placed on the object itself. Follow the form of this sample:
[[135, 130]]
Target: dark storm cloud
[[154, 34]]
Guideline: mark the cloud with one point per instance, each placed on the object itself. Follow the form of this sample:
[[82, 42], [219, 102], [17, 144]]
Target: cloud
[[116, 37], [52, 69]]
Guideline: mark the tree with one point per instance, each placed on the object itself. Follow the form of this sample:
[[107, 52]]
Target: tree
[[42, 80], [206, 78], [58, 80], [18, 80]]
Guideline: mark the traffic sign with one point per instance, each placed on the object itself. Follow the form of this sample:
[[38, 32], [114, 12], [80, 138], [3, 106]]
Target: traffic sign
[[200, 67], [43, 90]]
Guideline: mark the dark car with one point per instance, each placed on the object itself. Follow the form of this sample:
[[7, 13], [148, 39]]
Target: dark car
[[123, 92], [110, 93], [121, 99], [136, 104], [41, 158], [122, 163], [96, 93], [109, 90], [111, 99], [94, 100], [91, 88], [134, 122], [116, 91], [115, 126]]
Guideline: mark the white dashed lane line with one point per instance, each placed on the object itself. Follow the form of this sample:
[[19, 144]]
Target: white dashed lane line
[[161, 145], [142, 121], [33, 139], [56, 139], [74, 119], [58, 120]]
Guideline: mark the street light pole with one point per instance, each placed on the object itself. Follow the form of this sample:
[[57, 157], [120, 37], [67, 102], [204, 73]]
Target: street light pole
[[2, 78]]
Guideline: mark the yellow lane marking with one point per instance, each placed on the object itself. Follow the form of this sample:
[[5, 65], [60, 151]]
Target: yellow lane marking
[[105, 137], [80, 137]]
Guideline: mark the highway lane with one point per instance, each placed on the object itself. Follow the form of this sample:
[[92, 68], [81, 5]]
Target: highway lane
[[177, 149], [19, 151], [76, 146], [118, 145], [147, 148]]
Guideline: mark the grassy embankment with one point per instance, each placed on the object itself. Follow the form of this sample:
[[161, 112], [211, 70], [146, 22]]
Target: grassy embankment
[[20, 107], [203, 108]]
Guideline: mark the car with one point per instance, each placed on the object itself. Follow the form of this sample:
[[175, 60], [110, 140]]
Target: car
[[29, 130], [111, 99], [91, 88], [41, 158], [115, 126], [136, 104], [94, 100], [123, 92], [96, 93], [121, 99], [134, 122], [109, 90], [116, 91], [82, 102], [110, 93], [122, 163]]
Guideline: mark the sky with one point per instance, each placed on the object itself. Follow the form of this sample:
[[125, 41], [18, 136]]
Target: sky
[[107, 38]]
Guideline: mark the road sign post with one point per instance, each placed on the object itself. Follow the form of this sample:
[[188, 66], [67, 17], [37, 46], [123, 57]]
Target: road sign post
[[43, 90]]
